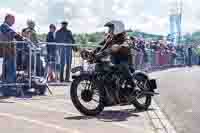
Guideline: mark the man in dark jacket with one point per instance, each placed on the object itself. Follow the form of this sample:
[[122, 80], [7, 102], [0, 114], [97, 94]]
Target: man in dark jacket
[[51, 50], [65, 36]]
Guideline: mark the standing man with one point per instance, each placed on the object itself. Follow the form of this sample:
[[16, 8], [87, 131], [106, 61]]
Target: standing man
[[9, 64], [65, 36], [51, 51]]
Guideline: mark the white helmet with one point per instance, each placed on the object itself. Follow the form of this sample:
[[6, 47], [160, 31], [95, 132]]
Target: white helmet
[[115, 26]]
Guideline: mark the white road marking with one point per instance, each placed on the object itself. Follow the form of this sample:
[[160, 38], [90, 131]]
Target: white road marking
[[42, 107], [37, 122], [189, 111]]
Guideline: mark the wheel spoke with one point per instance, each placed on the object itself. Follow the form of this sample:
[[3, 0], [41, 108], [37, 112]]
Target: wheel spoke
[[95, 100], [87, 85], [141, 96], [141, 85]]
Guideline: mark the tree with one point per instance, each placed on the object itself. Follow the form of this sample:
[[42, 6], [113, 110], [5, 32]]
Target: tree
[[42, 37]]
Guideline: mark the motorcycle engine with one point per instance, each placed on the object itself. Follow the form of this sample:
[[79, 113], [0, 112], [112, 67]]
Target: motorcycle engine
[[125, 91]]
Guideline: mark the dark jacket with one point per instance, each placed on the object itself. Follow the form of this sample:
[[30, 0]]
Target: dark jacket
[[64, 36], [50, 38], [7, 34]]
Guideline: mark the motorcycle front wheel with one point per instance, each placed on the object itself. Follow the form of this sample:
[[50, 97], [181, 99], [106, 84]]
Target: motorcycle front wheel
[[86, 97]]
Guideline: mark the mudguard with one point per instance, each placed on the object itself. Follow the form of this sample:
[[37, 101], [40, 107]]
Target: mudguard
[[143, 76], [83, 74]]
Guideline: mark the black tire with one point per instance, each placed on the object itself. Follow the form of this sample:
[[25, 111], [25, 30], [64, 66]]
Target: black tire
[[143, 78], [76, 102]]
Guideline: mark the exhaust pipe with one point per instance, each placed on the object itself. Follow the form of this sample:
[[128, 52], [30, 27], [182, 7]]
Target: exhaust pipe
[[150, 93]]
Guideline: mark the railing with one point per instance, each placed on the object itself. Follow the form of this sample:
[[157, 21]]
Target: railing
[[150, 60], [15, 73], [29, 61]]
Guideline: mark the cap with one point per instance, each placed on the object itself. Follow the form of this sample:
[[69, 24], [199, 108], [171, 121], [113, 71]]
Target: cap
[[64, 22]]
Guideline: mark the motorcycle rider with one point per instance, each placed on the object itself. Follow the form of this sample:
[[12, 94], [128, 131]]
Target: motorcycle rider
[[117, 41], [115, 37]]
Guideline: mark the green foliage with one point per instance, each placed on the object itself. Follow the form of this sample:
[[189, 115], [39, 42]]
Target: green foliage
[[198, 51], [196, 35], [80, 39], [94, 38], [138, 33], [42, 37], [84, 38]]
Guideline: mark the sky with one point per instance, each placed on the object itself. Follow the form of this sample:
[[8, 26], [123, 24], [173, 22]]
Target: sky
[[150, 16]]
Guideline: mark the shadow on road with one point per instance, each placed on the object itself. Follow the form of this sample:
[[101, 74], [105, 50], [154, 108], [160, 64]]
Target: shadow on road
[[1, 101], [3, 98], [110, 115], [27, 95]]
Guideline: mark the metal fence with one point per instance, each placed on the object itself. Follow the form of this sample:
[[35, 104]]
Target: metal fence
[[150, 60], [34, 61], [17, 65]]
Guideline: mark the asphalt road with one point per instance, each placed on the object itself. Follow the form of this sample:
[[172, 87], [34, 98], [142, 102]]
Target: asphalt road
[[56, 114], [179, 100], [179, 97]]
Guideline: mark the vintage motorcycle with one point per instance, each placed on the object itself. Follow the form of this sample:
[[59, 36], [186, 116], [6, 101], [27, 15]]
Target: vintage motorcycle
[[104, 85]]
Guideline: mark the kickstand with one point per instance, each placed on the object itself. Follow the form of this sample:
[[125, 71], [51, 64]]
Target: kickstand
[[49, 90]]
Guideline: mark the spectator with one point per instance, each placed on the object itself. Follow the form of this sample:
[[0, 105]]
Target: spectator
[[9, 66], [31, 30], [33, 37], [23, 52], [20, 50], [141, 54], [65, 36], [51, 50], [198, 53], [174, 56], [190, 56]]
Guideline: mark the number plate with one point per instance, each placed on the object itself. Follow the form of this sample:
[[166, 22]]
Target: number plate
[[153, 84]]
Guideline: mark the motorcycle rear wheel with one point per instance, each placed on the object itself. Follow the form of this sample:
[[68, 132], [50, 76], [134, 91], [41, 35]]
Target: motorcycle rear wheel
[[147, 102]]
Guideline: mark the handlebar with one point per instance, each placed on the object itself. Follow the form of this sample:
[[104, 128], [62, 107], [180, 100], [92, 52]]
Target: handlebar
[[102, 54], [91, 56]]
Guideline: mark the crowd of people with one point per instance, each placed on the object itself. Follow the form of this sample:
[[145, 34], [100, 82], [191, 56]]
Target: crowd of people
[[152, 53], [62, 35], [19, 59], [164, 54]]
